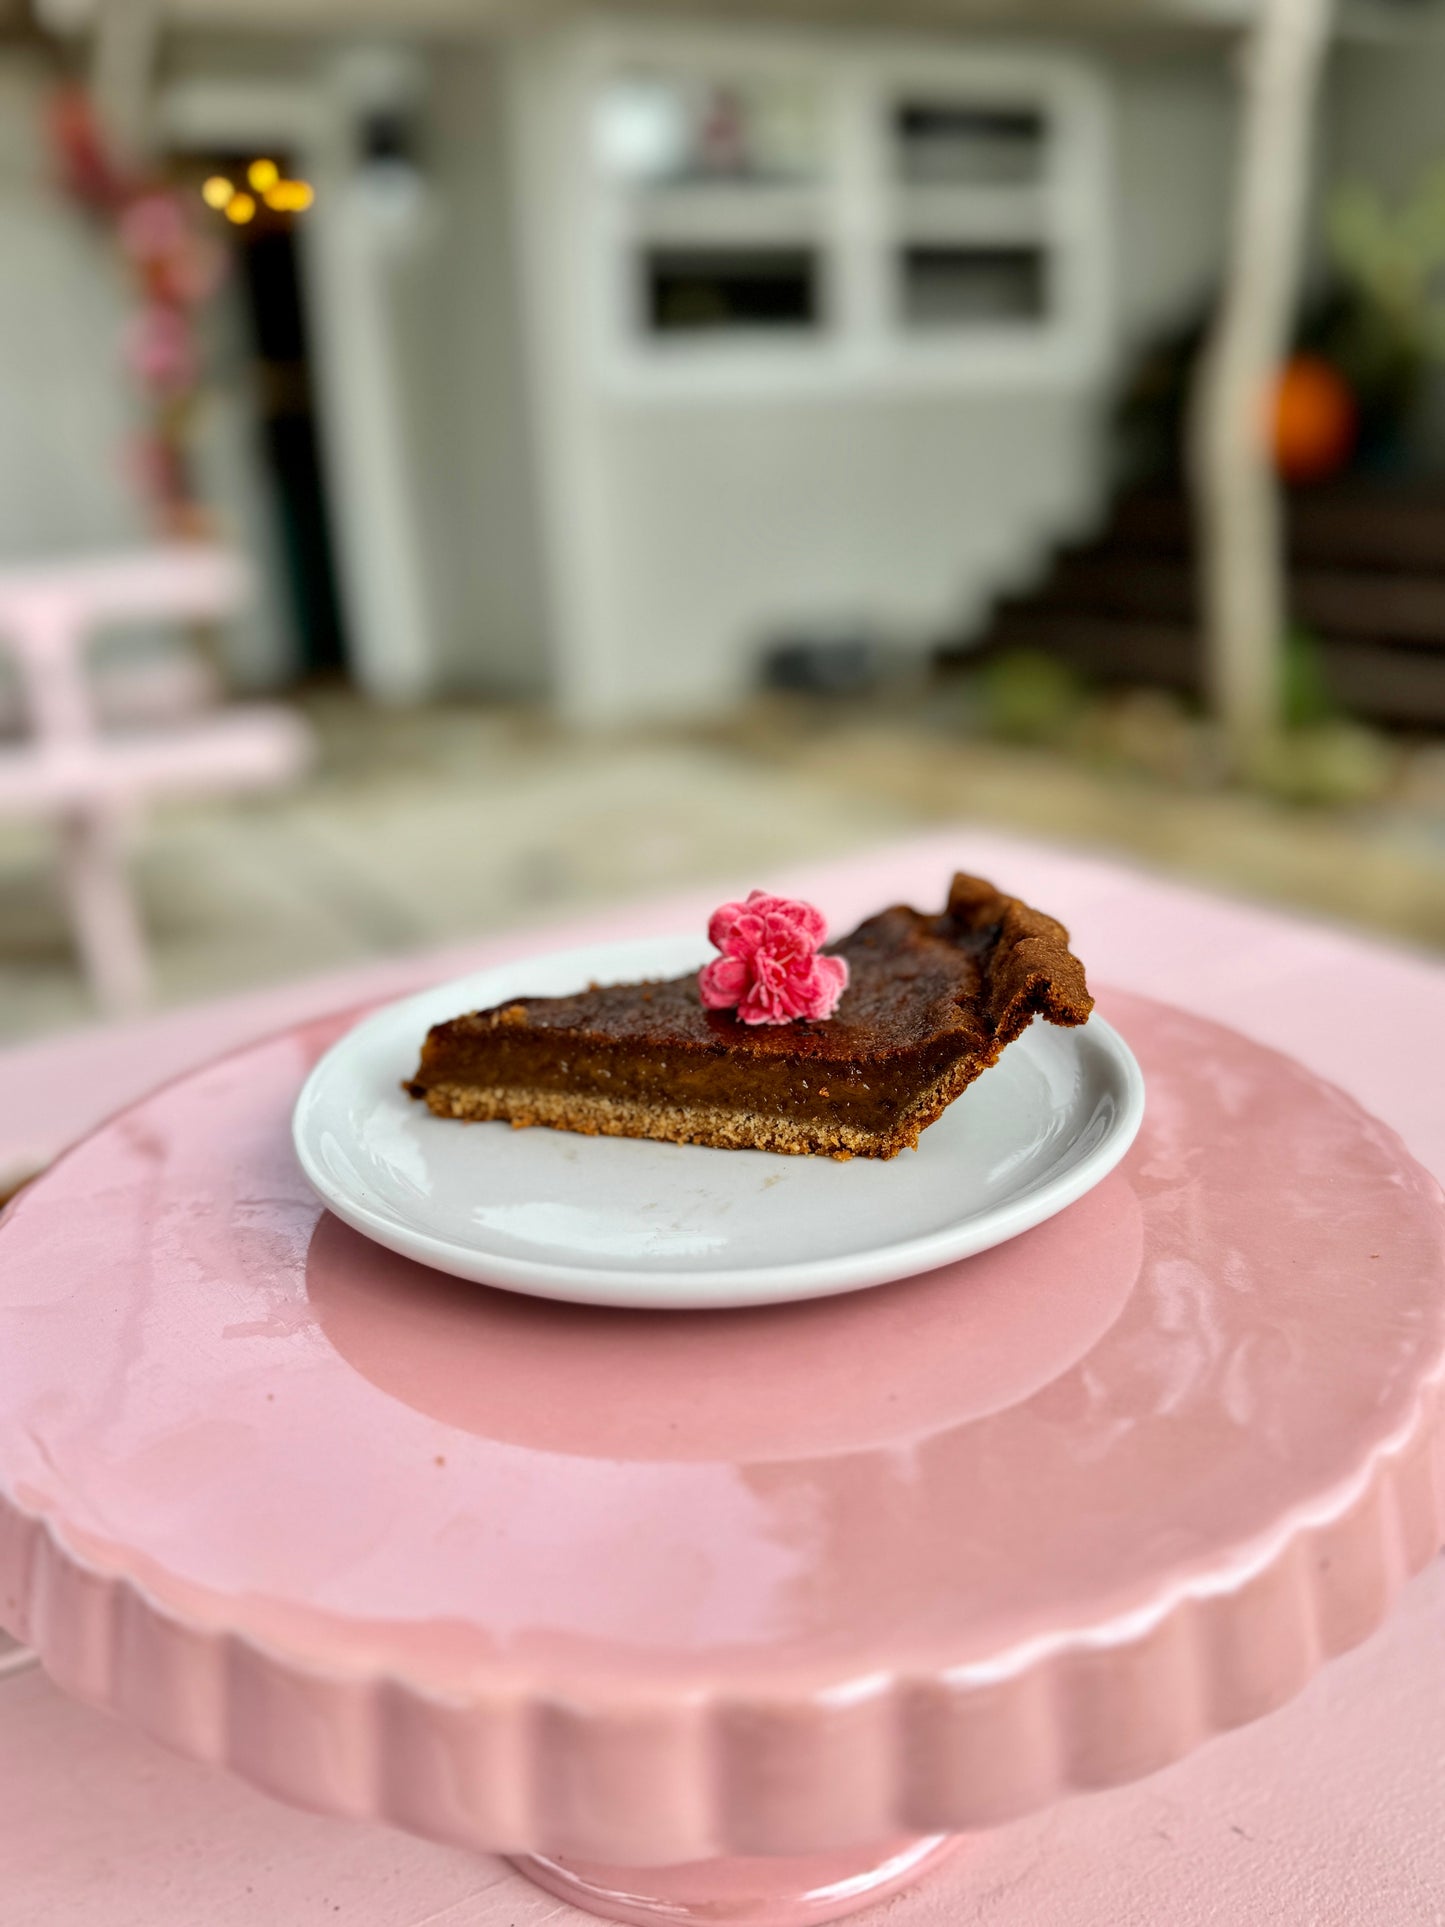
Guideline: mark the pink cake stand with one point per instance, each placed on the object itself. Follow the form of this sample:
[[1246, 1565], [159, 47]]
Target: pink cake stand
[[737, 1616]]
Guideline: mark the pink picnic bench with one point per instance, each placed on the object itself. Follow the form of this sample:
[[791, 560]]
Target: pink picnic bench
[[91, 783]]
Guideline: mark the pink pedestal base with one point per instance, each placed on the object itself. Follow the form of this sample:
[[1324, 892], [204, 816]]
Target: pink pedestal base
[[788, 1892]]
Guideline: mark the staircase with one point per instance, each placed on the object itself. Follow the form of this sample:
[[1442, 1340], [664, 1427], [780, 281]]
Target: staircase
[[1367, 577]]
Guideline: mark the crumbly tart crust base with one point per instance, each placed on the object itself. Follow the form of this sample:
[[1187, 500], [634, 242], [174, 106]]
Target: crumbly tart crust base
[[720, 1126]]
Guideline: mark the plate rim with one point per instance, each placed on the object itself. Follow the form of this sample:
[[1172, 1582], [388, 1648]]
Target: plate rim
[[729, 1286]]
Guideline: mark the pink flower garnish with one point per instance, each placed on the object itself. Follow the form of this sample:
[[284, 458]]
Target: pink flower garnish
[[770, 968]]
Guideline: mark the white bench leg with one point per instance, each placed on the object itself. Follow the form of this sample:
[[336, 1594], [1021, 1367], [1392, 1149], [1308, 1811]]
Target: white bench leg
[[103, 911]]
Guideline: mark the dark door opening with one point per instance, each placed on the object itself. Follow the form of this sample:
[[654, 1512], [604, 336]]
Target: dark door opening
[[272, 286], [268, 280]]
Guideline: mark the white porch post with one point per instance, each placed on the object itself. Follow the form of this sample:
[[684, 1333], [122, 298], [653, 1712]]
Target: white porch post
[[350, 260], [1237, 496]]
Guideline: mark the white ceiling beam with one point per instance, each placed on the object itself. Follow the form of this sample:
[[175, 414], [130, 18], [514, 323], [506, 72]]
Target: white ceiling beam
[[124, 45], [428, 17]]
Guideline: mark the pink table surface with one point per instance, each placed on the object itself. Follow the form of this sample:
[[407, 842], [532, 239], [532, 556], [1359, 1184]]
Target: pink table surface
[[1325, 1813]]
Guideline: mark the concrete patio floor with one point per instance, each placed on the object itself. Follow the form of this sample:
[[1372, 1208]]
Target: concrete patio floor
[[421, 827]]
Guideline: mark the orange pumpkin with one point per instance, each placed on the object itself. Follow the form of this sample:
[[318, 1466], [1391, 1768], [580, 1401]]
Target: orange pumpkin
[[1314, 420]]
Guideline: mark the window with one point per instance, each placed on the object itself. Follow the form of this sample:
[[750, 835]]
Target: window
[[772, 214], [964, 286], [717, 290], [958, 143], [971, 185], [683, 130]]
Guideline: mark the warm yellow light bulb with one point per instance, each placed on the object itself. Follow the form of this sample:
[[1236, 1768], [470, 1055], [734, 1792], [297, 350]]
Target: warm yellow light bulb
[[217, 191], [262, 175], [290, 197], [240, 209]]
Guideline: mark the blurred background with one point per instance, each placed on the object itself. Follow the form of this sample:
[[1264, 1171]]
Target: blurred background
[[462, 461]]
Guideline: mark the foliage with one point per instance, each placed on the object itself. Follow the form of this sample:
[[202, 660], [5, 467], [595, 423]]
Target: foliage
[[174, 269], [1392, 258], [1328, 764], [1306, 698], [1030, 697]]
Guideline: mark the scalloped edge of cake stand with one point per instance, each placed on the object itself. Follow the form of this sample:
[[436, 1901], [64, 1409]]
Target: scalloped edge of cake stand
[[951, 1751]]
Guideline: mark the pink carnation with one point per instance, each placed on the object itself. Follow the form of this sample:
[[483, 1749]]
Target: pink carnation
[[770, 969]]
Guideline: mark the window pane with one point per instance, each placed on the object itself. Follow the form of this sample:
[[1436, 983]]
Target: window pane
[[953, 287], [969, 144], [673, 130], [697, 290]]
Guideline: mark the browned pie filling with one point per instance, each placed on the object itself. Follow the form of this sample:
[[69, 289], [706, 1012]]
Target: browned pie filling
[[930, 1003]]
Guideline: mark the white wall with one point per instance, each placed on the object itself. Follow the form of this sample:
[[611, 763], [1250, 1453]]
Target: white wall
[[724, 526], [415, 349], [1385, 123], [66, 416], [69, 414], [683, 535], [459, 328], [674, 527], [68, 410], [677, 539], [1174, 114]]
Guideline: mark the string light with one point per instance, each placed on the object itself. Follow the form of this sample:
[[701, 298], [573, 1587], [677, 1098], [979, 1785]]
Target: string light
[[280, 195], [290, 197]]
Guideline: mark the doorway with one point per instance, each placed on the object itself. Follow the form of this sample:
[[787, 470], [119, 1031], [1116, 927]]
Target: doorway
[[262, 231]]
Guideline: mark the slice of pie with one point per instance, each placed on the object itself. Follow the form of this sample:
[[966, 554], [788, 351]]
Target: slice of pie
[[930, 1002]]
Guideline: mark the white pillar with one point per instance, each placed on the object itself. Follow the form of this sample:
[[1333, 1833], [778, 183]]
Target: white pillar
[[1244, 574], [353, 247]]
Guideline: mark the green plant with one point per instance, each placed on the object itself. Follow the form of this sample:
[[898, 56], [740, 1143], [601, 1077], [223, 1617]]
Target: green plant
[[1306, 699], [1327, 765], [1029, 697], [1392, 257]]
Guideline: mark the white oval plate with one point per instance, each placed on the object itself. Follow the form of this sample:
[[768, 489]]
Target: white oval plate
[[624, 1221]]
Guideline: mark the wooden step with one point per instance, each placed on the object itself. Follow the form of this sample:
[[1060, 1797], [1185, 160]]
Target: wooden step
[[1369, 608], [1380, 526], [1150, 588], [1160, 653], [1387, 685], [1377, 683], [1372, 608]]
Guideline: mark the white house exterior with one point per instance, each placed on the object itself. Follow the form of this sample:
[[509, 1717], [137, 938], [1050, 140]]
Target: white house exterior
[[599, 419]]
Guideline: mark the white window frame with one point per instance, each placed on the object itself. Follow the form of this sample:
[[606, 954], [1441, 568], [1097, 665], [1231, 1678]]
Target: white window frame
[[860, 221]]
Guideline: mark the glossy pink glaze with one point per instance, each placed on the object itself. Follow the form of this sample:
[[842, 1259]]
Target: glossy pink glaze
[[648, 1589], [779, 1892]]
